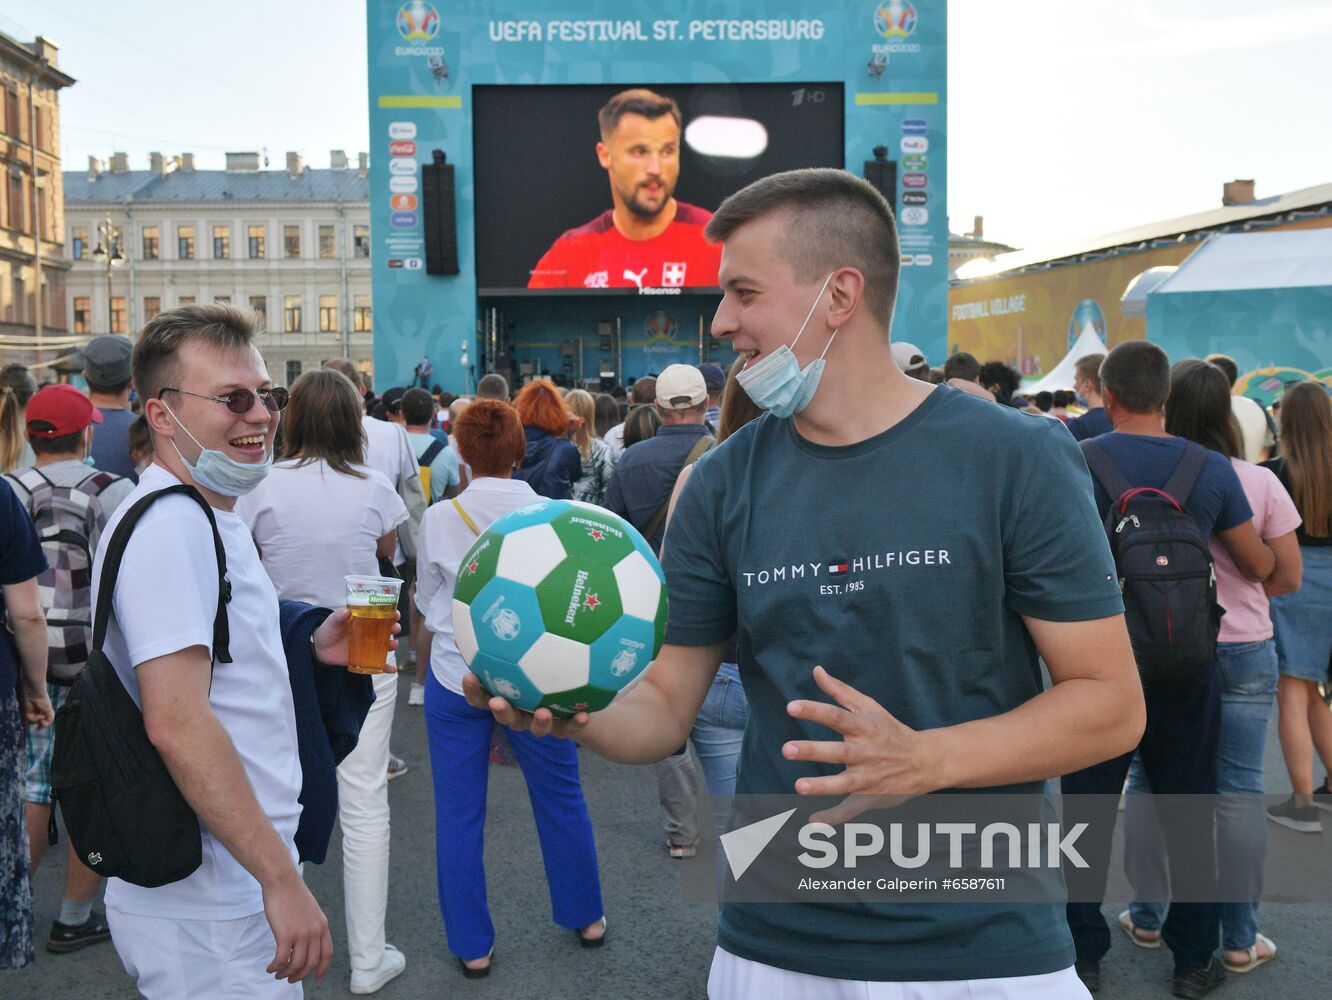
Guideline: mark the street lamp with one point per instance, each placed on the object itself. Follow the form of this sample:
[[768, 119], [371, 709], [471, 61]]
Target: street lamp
[[108, 252]]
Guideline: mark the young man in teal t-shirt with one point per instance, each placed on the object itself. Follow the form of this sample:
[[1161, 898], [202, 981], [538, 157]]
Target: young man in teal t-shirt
[[920, 546]]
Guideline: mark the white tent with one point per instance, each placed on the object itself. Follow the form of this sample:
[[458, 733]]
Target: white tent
[[1061, 376]]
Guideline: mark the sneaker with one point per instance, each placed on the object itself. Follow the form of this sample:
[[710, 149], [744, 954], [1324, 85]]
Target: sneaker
[[1305, 819], [416, 695], [1090, 974], [1322, 796], [397, 767], [681, 850], [1193, 983], [365, 981], [72, 937]]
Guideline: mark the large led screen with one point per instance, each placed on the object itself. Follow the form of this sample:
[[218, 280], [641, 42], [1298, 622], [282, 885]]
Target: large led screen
[[560, 206]]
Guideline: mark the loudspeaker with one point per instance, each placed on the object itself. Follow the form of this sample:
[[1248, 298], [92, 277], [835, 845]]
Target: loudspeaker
[[882, 173], [440, 216]]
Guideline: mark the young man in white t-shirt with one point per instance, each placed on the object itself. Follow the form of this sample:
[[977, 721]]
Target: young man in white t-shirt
[[244, 923]]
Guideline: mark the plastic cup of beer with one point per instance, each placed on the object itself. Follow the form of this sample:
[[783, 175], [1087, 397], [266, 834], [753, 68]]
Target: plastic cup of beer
[[373, 603]]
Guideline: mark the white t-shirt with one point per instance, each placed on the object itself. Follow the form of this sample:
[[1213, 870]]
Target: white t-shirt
[[615, 438], [314, 526], [165, 601], [388, 450], [445, 539], [1253, 427]]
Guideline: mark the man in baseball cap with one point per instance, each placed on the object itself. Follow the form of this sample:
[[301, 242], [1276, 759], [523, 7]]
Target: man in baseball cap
[[911, 360], [60, 411], [640, 490], [60, 422], [106, 367]]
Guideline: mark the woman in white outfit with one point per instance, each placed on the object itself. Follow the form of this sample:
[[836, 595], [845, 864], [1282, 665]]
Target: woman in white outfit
[[320, 515]]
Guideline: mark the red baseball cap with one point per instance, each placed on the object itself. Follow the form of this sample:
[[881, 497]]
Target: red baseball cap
[[59, 410]]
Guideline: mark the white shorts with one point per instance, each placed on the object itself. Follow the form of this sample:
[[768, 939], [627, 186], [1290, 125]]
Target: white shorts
[[199, 959], [735, 978]]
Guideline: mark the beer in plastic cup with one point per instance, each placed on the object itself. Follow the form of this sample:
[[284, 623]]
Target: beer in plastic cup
[[373, 603]]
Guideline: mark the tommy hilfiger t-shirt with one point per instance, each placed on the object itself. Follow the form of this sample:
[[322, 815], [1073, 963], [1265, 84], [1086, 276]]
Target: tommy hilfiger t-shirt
[[902, 564]]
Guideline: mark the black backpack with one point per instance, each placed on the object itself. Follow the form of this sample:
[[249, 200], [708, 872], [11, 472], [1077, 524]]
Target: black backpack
[[1165, 569], [123, 811]]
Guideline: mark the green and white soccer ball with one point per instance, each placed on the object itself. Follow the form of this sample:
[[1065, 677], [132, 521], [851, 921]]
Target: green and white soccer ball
[[559, 604]]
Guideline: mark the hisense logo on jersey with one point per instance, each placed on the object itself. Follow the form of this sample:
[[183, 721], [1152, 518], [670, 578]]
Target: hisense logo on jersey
[[840, 567]]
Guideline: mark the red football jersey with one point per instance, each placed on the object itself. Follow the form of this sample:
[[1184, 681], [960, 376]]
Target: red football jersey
[[598, 256]]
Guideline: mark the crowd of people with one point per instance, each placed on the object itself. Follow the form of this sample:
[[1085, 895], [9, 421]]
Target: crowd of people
[[902, 679]]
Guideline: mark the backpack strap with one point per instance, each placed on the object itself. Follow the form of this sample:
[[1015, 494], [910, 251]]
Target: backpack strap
[[1103, 467], [32, 479], [695, 453], [431, 453], [115, 552], [1187, 470], [467, 520]]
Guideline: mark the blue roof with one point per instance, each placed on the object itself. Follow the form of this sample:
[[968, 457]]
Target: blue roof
[[191, 186]]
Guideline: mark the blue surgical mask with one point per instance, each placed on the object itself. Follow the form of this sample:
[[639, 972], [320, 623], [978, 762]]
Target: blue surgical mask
[[219, 472], [776, 383]]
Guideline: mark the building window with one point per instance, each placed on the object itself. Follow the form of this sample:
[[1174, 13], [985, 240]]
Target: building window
[[152, 236], [119, 323], [18, 298], [293, 372], [221, 242], [291, 314], [291, 242], [256, 236], [152, 305], [259, 303], [13, 120], [82, 314], [185, 300], [222, 300], [185, 242], [360, 241], [78, 244], [361, 317], [16, 201], [327, 242], [328, 313]]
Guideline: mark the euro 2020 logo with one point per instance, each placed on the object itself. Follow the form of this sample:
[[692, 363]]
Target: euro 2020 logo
[[895, 19], [418, 21]]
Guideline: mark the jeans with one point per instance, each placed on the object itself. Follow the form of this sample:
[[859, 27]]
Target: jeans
[[718, 733], [363, 812], [1248, 672], [460, 764], [1178, 752]]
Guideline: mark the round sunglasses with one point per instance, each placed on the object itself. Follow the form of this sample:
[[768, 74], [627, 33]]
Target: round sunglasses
[[242, 400]]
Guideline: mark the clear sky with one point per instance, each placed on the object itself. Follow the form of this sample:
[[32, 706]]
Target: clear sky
[[1066, 117]]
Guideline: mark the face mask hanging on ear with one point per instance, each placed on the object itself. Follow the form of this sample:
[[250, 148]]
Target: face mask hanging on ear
[[777, 383], [219, 472]]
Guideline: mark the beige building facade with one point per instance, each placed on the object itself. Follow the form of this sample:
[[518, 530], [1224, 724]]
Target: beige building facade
[[293, 244]]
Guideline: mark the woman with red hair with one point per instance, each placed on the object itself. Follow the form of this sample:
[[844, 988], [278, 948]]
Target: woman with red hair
[[552, 463], [490, 440]]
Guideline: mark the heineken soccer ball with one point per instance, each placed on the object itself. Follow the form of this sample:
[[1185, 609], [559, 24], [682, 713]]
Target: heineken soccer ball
[[561, 605]]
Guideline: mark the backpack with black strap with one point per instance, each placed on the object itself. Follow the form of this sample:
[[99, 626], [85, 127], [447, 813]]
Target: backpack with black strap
[[123, 811], [429, 455], [1165, 569], [66, 519]]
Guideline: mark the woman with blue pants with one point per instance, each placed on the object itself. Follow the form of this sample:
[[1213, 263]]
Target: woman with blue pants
[[490, 439], [1246, 664]]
